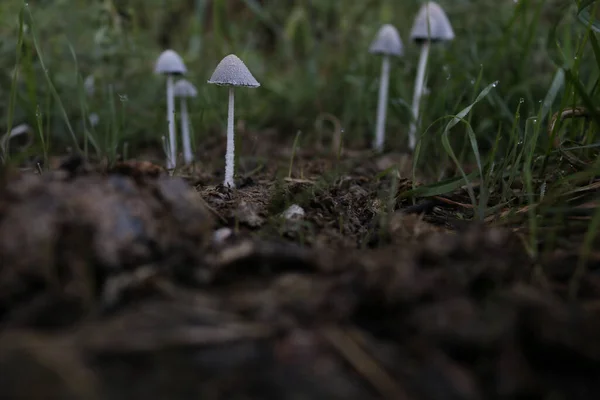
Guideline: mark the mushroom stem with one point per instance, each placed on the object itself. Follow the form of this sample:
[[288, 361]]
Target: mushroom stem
[[382, 105], [419, 81], [229, 156], [171, 163], [185, 130]]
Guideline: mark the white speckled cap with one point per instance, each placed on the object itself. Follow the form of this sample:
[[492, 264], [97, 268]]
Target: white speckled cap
[[184, 88], [232, 71], [169, 62], [438, 29], [387, 42]]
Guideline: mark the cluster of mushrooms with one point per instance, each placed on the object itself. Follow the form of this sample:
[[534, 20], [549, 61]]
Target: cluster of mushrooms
[[230, 72], [431, 25]]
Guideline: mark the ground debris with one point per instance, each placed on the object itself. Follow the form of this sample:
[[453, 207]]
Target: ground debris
[[66, 235], [118, 285]]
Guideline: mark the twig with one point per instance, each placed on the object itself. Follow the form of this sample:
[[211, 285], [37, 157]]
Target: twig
[[299, 180], [364, 364], [573, 112], [452, 202], [211, 209]]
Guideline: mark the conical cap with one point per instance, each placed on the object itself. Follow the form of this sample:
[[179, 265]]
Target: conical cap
[[438, 28], [169, 62], [232, 71], [184, 88], [387, 42]]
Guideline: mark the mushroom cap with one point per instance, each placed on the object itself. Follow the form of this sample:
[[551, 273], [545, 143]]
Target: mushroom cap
[[387, 42], [184, 88], [232, 71], [438, 28], [170, 63]]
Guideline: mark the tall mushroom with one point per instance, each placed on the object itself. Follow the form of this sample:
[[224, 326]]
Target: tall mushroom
[[431, 25], [184, 89], [169, 63], [387, 43], [231, 72]]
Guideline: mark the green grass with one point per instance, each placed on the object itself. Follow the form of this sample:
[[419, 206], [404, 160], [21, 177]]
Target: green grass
[[311, 58], [492, 90]]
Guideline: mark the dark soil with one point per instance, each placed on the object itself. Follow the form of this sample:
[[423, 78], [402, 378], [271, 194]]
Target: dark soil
[[125, 283]]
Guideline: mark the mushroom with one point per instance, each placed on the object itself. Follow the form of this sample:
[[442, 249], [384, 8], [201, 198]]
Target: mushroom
[[387, 43], [19, 130], [169, 63], [231, 72], [431, 25], [184, 89]]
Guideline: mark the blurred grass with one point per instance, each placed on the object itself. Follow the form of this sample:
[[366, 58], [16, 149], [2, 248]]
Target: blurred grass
[[310, 56]]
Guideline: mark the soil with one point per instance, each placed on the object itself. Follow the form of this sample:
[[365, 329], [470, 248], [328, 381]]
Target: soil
[[128, 283]]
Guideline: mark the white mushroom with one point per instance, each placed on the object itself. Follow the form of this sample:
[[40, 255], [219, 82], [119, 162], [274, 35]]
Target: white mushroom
[[231, 72], [431, 25], [184, 89], [19, 130], [169, 63], [387, 43]]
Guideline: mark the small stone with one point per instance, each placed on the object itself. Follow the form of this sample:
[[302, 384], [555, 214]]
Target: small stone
[[247, 213], [221, 235], [294, 212]]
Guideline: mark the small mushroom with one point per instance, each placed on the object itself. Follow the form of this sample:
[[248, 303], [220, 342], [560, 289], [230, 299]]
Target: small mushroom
[[431, 25], [19, 130], [387, 43], [184, 89], [231, 72], [169, 63]]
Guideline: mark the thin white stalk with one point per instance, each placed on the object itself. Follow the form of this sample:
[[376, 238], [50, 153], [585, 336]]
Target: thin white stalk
[[171, 159], [419, 82], [188, 157], [229, 156], [384, 84], [165, 146]]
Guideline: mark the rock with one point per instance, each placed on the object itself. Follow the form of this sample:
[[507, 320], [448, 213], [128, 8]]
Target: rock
[[69, 233]]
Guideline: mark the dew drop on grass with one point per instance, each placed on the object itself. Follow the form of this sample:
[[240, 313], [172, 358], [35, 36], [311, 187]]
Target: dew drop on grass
[[521, 100], [495, 83]]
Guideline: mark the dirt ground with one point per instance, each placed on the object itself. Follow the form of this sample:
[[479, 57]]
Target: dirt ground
[[125, 283]]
